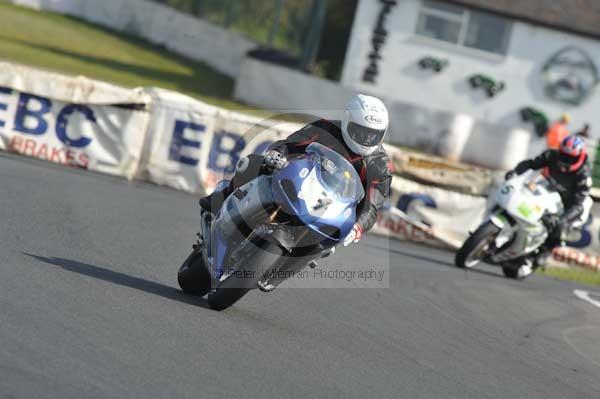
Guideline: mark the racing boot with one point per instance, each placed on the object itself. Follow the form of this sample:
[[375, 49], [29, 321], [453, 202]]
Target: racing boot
[[555, 229], [525, 270], [545, 253]]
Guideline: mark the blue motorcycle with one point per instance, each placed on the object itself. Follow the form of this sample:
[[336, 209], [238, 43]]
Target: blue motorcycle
[[273, 227]]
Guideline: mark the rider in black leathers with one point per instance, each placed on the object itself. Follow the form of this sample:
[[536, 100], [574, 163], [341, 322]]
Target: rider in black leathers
[[374, 169], [571, 172], [358, 138]]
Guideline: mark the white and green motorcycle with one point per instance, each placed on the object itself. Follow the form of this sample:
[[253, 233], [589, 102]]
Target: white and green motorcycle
[[513, 231]]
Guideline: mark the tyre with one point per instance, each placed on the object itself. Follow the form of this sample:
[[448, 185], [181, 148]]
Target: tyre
[[234, 287], [193, 277], [224, 297], [475, 248], [511, 272]]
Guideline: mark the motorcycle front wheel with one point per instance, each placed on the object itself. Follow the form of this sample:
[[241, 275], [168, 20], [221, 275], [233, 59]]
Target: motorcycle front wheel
[[245, 278], [476, 247], [193, 277]]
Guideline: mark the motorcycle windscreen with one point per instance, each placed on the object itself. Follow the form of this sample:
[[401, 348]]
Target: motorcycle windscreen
[[321, 191], [337, 174]]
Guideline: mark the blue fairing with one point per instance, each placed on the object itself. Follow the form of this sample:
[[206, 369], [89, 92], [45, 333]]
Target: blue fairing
[[318, 191], [291, 204], [220, 249]]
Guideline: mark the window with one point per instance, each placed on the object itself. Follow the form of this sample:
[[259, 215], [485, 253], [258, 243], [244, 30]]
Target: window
[[463, 27]]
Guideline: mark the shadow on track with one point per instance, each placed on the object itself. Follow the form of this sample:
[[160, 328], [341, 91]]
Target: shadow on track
[[433, 260], [123, 279]]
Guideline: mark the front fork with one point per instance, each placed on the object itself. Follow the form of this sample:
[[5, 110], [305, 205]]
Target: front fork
[[500, 220], [205, 242]]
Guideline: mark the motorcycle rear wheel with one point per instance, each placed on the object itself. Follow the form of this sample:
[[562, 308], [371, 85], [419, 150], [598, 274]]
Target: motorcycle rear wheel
[[511, 272], [515, 273], [475, 248]]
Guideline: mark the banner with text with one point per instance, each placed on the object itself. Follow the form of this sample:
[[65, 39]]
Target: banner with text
[[430, 215], [192, 145], [85, 131]]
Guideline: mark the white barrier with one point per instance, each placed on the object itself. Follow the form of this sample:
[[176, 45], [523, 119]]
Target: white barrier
[[184, 34], [452, 144], [429, 214], [72, 121], [77, 90], [272, 86], [188, 145], [457, 136], [498, 147], [153, 134], [395, 224], [192, 146]]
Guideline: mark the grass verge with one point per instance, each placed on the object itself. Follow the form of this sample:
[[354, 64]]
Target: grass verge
[[577, 275], [72, 46]]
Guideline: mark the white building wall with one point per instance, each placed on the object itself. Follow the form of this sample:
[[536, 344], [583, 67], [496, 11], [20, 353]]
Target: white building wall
[[452, 135], [401, 79]]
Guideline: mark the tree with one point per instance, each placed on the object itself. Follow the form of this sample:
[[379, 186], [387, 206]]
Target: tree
[[336, 35]]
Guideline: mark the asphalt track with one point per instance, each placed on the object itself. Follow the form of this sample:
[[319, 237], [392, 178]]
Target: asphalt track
[[89, 308]]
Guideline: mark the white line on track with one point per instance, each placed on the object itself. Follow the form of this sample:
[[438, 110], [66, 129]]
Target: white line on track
[[585, 296]]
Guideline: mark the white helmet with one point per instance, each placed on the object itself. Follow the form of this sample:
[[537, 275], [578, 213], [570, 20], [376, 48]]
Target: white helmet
[[364, 124]]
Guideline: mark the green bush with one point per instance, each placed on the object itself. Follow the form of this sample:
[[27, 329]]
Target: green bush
[[257, 19]]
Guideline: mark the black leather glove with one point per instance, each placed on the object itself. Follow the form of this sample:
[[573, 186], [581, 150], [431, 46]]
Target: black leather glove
[[551, 221], [275, 159], [510, 174]]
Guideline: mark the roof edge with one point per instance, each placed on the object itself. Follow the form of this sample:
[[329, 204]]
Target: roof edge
[[527, 19]]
